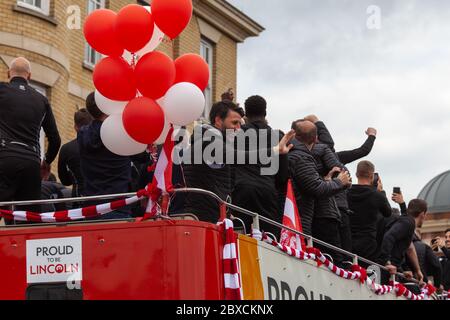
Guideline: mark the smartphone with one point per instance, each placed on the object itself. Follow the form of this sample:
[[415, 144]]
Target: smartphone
[[376, 178], [397, 190]]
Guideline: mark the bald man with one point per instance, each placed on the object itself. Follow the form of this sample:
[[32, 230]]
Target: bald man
[[314, 194], [23, 112]]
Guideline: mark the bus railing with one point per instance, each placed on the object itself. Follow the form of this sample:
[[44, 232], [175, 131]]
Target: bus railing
[[223, 205]]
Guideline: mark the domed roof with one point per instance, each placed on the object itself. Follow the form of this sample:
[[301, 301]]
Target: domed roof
[[437, 193]]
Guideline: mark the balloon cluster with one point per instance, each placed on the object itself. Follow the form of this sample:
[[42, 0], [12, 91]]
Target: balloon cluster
[[143, 91]]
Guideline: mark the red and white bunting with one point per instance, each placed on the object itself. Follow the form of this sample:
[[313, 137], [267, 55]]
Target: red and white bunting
[[357, 273], [70, 215]]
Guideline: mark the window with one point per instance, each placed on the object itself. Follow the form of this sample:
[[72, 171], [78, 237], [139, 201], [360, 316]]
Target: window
[[207, 52], [42, 90], [91, 57], [41, 6]]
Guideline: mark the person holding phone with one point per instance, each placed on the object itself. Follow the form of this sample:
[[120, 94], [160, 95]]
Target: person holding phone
[[397, 197], [441, 247]]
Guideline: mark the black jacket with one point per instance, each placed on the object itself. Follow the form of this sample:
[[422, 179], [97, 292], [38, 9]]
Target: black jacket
[[367, 205], [397, 240], [214, 177], [253, 190], [23, 111], [309, 186], [324, 135], [445, 263], [428, 261], [103, 171], [69, 170]]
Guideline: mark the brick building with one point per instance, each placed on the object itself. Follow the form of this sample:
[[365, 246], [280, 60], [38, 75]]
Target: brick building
[[49, 33]]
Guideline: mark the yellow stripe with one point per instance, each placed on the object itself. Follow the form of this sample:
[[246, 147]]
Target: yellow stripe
[[252, 285]]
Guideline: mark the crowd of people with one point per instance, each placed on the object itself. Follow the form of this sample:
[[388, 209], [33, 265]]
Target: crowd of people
[[354, 217]]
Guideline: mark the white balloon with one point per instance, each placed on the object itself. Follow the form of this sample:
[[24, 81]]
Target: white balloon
[[154, 42], [108, 106], [183, 104], [163, 136], [117, 140]]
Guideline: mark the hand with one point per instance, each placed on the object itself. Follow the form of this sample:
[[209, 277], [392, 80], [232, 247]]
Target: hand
[[45, 170], [345, 178], [371, 132], [313, 118], [391, 269], [440, 243], [398, 198], [285, 146], [408, 275], [380, 185], [332, 173], [419, 276]]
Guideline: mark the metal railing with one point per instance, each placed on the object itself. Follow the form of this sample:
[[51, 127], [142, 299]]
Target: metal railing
[[223, 205]]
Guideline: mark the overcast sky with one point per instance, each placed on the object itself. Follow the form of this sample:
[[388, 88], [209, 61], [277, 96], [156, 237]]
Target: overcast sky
[[319, 56]]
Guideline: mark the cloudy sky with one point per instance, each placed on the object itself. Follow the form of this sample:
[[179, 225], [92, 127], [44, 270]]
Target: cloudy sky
[[319, 56]]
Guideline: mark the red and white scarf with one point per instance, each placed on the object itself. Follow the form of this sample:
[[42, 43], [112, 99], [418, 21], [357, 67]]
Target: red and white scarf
[[230, 263], [70, 215]]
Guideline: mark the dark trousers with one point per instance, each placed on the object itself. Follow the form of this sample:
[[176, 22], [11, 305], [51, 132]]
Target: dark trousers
[[345, 231], [327, 230], [20, 180]]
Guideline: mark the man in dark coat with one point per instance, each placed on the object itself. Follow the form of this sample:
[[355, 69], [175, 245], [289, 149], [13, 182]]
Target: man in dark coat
[[398, 239], [103, 171], [23, 113], [442, 249], [255, 191], [212, 154], [69, 170], [320, 222], [367, 203], [428, 261]]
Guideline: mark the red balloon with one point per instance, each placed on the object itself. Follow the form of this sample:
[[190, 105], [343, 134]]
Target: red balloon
[[194, 69], [172, 16], [134, 27], [143, 120], [114, 78], [155, 74], [99, 31]]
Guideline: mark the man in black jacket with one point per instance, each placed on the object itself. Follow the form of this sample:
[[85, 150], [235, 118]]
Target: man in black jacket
[[23, 112], [103, 171], [428, 261], [208, 161], [321, 222], [253, 190], [443, 245], [69, 170], [367, 203], [398, 238]]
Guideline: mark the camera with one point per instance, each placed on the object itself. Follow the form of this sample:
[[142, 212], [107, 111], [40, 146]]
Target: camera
[[397, 190]]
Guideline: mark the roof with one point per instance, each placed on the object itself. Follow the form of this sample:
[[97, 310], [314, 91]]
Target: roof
[[227, 18], [437, 193]]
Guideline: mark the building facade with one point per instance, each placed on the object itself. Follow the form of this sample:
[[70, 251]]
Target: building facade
[[49, 34], [437, 194]]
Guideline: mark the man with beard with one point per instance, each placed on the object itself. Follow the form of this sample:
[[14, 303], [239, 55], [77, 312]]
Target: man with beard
[[208, 161]]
